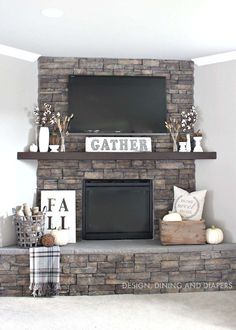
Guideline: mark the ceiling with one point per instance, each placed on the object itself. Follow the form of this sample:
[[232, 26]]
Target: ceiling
[[173, 29]]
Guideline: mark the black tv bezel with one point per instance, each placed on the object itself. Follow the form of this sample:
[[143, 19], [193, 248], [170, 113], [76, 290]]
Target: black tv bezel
[[117, 133]]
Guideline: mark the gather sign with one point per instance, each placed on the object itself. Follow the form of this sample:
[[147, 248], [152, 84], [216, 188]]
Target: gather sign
[[118, 144]]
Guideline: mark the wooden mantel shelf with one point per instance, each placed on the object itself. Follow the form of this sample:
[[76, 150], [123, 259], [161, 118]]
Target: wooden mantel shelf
[[115, 155]]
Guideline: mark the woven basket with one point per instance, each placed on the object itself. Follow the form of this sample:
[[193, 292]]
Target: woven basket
[[29, 230]]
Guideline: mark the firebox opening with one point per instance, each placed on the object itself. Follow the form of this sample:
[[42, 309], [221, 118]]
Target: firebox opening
[[117, 209]]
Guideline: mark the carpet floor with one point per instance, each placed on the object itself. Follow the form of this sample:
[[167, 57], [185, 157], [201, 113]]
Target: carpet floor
[[191, 311]]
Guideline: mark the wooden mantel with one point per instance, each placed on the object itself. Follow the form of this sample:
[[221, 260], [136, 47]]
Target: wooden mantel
[[115, 155]]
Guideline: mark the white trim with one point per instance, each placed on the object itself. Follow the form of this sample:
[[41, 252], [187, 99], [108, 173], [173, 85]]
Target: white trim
[[223, 57], [18, 53]]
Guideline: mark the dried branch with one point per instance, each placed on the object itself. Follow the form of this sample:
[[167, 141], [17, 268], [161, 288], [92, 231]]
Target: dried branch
[[173, 125], [63, 122]]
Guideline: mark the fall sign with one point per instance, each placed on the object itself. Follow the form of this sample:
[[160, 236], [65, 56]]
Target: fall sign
[[59, 206]]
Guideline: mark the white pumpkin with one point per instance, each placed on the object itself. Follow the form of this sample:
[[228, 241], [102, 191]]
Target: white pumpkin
[[214, 235], [61, 236], [173, 216]]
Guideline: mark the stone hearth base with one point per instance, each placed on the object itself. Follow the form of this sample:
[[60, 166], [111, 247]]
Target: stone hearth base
[[136, 266]]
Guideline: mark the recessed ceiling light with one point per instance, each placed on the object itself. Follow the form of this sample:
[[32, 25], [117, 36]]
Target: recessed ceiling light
[[52, 12], [18, 53], [224, 57]]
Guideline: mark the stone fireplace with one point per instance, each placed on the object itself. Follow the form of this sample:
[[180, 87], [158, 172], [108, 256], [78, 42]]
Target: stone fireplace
[[72, 174]]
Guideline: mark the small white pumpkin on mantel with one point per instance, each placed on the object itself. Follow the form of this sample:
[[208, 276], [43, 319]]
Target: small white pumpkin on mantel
[[214, 235], [172, 216], [61, 236]]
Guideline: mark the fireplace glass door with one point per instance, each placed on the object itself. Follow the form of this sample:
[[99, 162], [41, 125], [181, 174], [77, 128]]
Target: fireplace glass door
[[117, 209]]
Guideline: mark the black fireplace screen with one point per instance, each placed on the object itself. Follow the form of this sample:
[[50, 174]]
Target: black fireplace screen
[[117, 209]]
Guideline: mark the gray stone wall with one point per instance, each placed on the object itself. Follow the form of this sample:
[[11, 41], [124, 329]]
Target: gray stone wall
[[96, 274], [54, 73], [70, 174], [53, 80]]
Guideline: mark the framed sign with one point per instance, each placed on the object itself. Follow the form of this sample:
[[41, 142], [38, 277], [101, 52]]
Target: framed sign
[[118, 144], [60, 211]]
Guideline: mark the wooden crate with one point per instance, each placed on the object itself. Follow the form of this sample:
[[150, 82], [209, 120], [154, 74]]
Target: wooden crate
[[182, 232]]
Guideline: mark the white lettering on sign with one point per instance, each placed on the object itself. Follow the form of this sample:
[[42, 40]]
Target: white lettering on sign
[[118, 144]]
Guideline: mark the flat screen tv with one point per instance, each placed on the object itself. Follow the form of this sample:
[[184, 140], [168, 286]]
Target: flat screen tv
[[117, 104]]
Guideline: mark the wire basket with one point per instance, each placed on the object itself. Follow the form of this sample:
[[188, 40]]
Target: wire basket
[[29, 230]]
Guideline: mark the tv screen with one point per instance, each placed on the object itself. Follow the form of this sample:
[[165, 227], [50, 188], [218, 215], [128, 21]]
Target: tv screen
[[117, 104]]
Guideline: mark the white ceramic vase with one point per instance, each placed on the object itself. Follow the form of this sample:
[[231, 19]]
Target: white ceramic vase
[[54, 147], [188, 143], [198, 147], [43, 139], [182, 146]]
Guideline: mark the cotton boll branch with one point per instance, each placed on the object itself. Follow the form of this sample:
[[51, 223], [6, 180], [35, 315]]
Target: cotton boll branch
[[188, 119], [46, 116]]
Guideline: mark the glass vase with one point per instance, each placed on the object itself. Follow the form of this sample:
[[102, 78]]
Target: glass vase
[[174, 137], [63, 146]]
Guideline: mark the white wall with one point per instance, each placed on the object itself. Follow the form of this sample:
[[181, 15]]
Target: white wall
[[215, 95], [18, 94]]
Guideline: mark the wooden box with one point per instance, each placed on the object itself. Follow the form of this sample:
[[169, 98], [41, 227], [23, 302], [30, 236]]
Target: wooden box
[[182, 232]]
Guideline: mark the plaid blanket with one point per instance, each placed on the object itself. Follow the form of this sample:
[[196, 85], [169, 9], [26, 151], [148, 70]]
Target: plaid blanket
[[44, 270]]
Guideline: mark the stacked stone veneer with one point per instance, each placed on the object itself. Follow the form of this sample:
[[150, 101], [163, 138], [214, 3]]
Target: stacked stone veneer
[[53, 80], [165, 174], [54, 73], [95, 274]]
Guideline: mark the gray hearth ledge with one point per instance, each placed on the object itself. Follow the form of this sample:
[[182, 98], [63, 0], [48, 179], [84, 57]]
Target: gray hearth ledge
[[124, 246], [110, 267]]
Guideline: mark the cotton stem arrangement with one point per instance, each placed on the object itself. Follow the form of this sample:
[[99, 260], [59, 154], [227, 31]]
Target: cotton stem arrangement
[[189, 119], [44, 116]]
